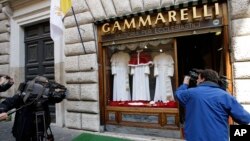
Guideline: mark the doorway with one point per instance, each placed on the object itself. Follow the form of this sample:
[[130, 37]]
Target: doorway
[[39, 55], [200, 52]]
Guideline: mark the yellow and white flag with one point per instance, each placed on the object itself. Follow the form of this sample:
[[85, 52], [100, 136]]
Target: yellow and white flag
[[58, 9]]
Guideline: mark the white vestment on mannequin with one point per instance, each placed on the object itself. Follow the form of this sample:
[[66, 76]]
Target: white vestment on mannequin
[[139, 64], [163, 70], [120, 70]]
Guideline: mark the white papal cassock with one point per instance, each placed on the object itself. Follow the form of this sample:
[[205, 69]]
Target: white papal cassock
[[139, 64], [163, 71], [120, 70]]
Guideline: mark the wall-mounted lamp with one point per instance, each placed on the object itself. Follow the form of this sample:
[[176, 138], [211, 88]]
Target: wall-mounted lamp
[[217, 33]]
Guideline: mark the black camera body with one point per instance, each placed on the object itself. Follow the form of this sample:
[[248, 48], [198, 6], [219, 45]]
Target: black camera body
[[32, 91], [193, 77]]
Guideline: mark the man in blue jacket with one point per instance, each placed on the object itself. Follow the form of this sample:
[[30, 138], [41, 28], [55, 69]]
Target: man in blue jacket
[[208, 108]]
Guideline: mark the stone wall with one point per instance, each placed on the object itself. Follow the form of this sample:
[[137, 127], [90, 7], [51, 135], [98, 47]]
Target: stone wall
[[4, 45], [240, 34], [82, 105]]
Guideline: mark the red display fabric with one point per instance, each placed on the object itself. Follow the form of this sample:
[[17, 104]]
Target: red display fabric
[[144, 58], [170, 104]]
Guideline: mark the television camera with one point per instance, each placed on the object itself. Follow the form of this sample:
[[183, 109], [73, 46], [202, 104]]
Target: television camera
[[42, 89]]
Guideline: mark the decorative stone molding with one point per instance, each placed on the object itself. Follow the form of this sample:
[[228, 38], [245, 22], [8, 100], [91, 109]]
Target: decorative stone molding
[[77, 48], [4, 48], [96, 9], [4, 37], [83, 106], [109, 8], [167, 3], [122, 7], [73, 120], [72, 35], [240, 9], [82, 18], [241, 70], [4, 26], [7, 10], [88, 62], [4, 68], [4, 59], [74, 91], [241, 27], [82, 77], [90, 122], [90, 92], [136, 5], [241, 87], [72, 64], [79, 6], [90, 47], [240, 47], [152, 4], [181, 1], [3, 16]]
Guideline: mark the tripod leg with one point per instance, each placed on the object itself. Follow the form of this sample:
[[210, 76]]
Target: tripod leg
[[40, 126]]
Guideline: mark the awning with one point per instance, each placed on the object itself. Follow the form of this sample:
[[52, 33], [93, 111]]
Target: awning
[[178, 4]]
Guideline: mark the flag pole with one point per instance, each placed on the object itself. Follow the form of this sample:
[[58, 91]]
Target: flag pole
[[78, 29]]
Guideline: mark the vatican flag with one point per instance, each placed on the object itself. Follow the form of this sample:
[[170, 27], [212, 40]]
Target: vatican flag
[[58, 10]]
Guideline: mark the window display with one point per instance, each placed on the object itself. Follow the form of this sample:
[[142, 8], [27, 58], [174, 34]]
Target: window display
[[142, 74]]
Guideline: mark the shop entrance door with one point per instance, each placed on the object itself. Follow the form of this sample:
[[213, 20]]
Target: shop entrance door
[[200, 52]]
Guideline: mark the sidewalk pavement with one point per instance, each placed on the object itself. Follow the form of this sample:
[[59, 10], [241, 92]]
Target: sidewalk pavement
[[65, 134]]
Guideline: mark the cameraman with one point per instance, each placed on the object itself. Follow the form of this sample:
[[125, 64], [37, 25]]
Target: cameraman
[[208, 108], [25, 124]]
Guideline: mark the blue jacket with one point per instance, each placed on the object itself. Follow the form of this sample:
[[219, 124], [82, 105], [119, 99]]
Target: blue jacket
[[208, 108]]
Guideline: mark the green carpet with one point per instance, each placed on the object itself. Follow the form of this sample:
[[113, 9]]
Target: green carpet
[[93, 137]]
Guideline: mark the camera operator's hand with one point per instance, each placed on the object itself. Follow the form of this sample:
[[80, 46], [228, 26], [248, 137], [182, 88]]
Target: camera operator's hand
[[5, 82], [186, 80], [3, 116]]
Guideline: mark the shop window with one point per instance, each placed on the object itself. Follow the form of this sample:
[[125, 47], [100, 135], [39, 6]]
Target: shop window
[[141, 74]]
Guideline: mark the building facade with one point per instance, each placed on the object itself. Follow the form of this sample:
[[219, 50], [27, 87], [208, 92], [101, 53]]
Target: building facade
[[192, 34]]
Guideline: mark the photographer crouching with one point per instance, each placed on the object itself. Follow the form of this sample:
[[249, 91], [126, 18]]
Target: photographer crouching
[[31, 102], [208, 107]]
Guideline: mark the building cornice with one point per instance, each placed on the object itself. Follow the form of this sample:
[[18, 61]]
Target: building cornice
[[17, 4]]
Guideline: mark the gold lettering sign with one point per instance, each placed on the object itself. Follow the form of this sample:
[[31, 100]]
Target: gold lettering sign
[[128, 25], [160, 17], [171, 16], [144, 23], [184, 14]]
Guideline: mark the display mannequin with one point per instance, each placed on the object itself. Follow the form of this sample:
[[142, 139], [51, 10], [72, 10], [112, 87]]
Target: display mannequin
[[163, 71], [120, 70], [139, 64]]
